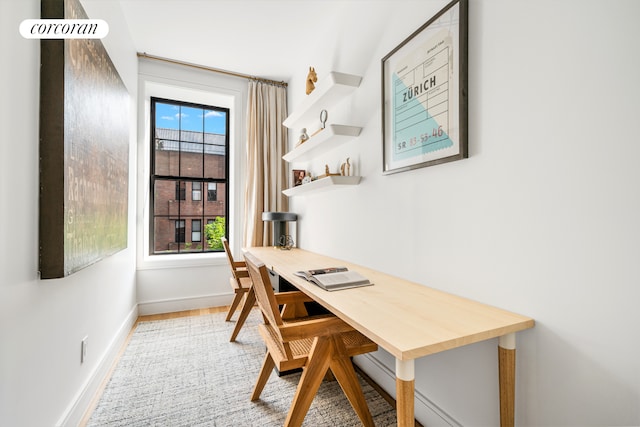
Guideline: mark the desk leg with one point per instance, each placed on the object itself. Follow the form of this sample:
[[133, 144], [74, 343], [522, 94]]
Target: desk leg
[[507, 378], [405, 391]]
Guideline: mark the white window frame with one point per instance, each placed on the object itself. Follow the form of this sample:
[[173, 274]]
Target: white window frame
[[200, 87]]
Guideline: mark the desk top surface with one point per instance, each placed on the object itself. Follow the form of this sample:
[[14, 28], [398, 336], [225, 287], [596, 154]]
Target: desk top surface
[[407, 319]]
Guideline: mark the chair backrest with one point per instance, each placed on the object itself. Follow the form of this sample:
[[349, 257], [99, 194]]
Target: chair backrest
[[266, 298], [235, 265], [227, 250], [265, 295]]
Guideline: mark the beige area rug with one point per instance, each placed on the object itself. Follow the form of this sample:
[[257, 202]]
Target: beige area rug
[[185, 372]]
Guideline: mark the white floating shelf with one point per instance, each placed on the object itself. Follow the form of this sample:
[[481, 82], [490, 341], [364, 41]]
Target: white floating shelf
[[327, 139], [328, 91], [322, 184]]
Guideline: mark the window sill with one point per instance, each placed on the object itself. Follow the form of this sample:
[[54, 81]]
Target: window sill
[[156, 262]]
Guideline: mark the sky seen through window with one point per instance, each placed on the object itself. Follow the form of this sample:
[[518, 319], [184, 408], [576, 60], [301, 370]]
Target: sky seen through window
[[190, 119]]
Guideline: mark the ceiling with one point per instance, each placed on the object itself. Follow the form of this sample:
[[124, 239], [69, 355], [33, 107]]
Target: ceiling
[[263, 38]]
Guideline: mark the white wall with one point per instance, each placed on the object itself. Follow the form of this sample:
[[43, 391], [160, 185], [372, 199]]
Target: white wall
[[542, 219], [43, 321]]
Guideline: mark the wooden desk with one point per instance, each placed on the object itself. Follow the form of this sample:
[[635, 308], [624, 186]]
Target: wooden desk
[[408, 320]]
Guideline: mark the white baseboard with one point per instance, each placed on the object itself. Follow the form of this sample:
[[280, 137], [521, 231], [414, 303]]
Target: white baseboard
[[78, 407], [182, 304], [427, 413]]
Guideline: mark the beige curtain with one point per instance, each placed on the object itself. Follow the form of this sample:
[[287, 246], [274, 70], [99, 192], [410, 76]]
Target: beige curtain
[[266, 171]]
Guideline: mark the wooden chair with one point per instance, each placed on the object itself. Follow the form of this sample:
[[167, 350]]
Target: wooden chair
[[240, 283], [315, 344]]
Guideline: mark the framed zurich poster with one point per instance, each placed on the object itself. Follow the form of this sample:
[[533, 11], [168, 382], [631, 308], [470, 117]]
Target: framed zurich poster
[[424, 94]]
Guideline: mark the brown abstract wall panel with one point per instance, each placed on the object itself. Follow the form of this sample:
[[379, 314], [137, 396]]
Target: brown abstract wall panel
[[84, 151]]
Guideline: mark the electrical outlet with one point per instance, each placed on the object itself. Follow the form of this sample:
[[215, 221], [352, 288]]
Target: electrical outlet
[[83, 347]]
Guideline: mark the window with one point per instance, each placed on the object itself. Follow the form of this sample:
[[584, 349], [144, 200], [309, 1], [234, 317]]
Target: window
[[189, 152], [181, 190], [212, 192], [196, 191], [179, 236], [196, 228]]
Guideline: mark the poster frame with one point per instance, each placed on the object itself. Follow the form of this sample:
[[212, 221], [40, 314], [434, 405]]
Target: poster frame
[[422, 147]]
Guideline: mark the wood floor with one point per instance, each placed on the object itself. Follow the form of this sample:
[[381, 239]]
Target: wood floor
[[196, 312]]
